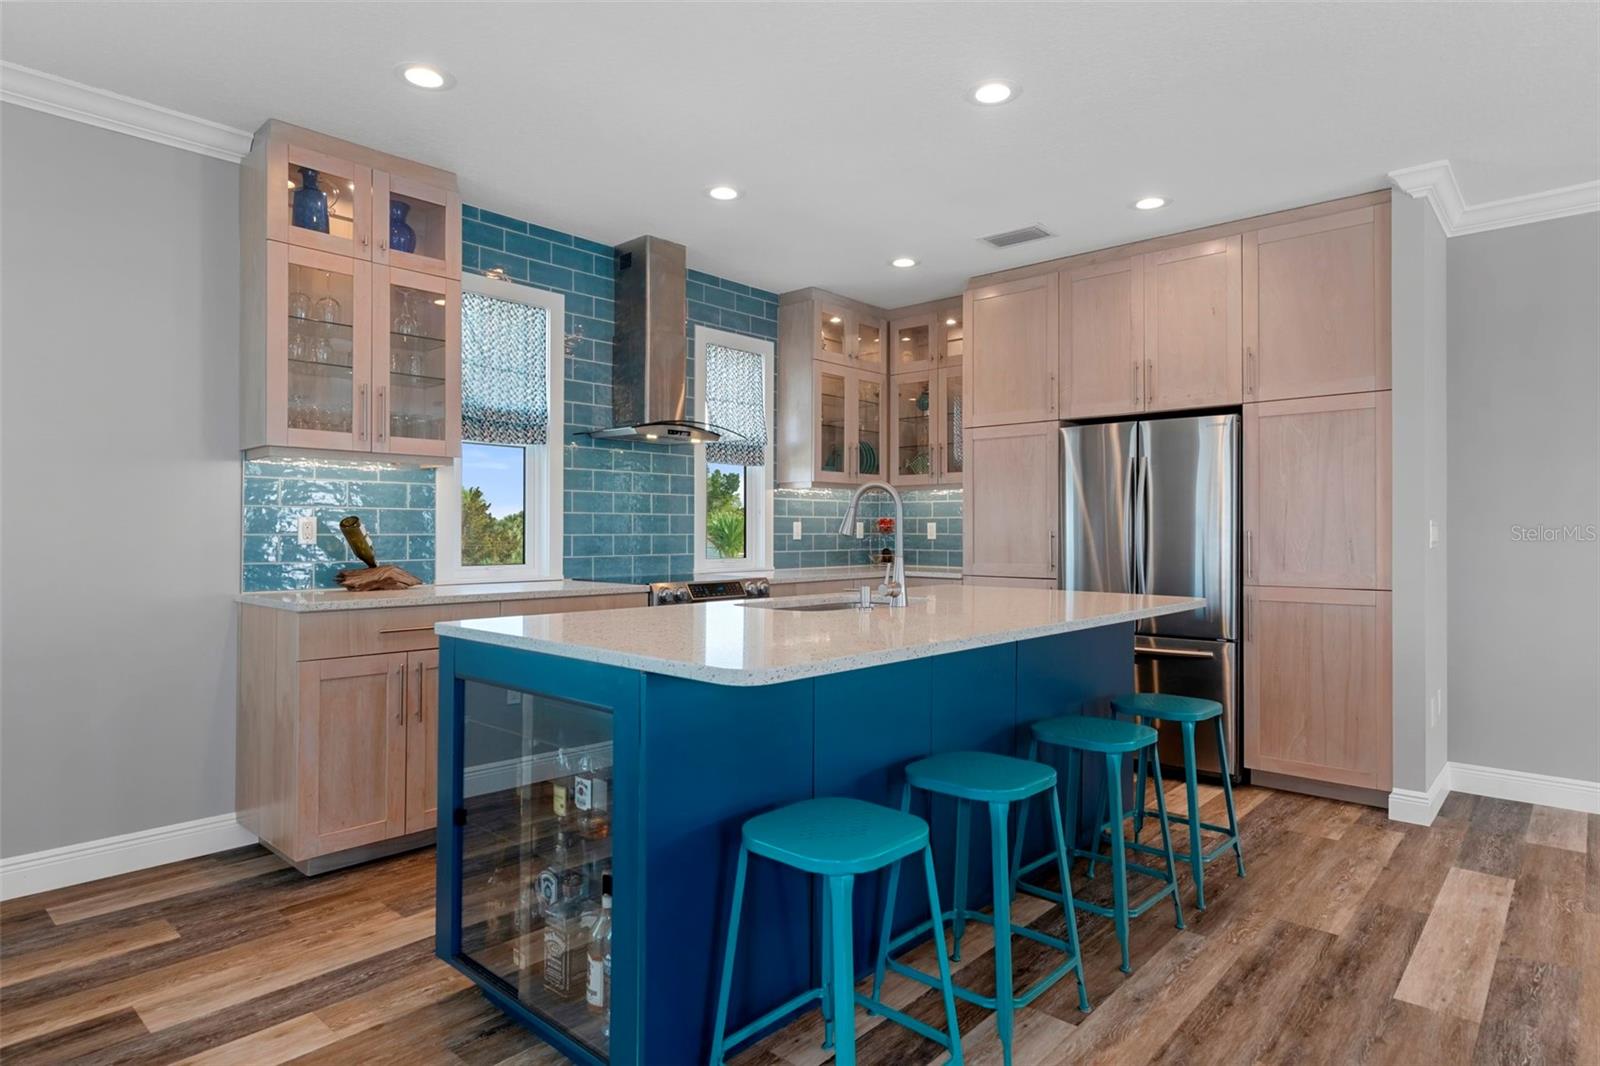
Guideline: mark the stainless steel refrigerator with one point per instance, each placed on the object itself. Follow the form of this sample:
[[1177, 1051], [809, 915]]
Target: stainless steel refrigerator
[[1152, 506]]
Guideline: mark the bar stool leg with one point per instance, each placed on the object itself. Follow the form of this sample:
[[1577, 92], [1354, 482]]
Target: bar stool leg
[[1022, 824], [1166, 844], [950, 1028], [726, 984], [842, 985], [958, 921], [1068, 907], [1005, 1008], [1069, 802], [885, 931], [1138, 811], [1227, 794], [1197, 852], [1119, 870], [827, 964], [1101, 829]]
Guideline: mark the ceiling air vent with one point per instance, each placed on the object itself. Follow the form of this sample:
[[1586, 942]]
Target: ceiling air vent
[[1017, 236]]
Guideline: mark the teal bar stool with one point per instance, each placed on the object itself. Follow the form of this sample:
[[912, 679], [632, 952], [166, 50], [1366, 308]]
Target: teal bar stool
[[1188, 712], [837, 839], [997, 781], [1113, 739]]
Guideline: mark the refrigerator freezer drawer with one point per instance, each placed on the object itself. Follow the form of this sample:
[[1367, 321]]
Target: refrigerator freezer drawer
[[1208, 669]]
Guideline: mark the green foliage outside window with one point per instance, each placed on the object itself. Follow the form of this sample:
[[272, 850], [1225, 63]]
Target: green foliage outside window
[[487, 540], [725, 514]]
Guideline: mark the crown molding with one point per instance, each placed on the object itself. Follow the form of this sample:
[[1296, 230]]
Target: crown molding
[[1436, 183], [73, 100]]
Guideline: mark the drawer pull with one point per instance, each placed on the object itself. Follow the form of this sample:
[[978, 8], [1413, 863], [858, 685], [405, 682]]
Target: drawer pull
[[407, 629], [1173, 653]]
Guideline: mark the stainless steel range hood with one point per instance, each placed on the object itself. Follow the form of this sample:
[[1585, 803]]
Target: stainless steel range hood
[[649, 360]]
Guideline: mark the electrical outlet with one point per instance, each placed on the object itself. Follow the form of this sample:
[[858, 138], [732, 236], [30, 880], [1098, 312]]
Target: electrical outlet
[[933, 531], [307, 528], [861, 529], [1433, 533], [1435, 706], [796, 534]]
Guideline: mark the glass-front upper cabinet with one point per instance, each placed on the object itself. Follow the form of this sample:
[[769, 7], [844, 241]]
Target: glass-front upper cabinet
[[416, 364], [318, 334], [949, 425], [831, 431], [833, 334], [951, 346], [911, 427], [869, 426], [912, 341], [318, 200], [869, 333], [415, 225]]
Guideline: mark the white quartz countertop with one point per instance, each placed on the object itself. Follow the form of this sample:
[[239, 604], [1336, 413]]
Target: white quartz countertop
[[730, 643], [433, 595]]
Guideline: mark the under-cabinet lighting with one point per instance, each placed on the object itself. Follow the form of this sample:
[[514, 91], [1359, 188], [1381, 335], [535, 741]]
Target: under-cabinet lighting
[[835, 320], [949, 321]]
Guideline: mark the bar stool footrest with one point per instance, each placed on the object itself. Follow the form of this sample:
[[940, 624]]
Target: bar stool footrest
[[743, 1033], [1021, 999], [900, 1017]]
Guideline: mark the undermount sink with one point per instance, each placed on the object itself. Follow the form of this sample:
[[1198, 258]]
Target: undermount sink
[[849, 605]]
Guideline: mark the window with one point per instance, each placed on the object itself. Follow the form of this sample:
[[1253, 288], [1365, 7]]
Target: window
[[499, 505], [733, 483]]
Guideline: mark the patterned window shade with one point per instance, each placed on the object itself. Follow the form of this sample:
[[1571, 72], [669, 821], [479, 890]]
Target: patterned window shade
[[736, 405], [505, 357]]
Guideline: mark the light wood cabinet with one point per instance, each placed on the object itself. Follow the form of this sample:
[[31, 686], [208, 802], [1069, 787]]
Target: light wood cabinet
[[1318, 667], [949, 330], [348, 343], [948, 430], [1013, 349], [913, 342], [422, 740], [1012, 500], [1316, 306], [352, 752], [1193, 326], [913, 429], [832, 414], [1316, 492], [1102, 339]]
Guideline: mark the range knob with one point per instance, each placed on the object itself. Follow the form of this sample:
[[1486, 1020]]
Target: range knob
[[678, 595], [757, 588]]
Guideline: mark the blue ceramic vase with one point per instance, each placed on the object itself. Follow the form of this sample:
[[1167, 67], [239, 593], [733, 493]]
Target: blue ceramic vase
[[310, 203], [402, 238]]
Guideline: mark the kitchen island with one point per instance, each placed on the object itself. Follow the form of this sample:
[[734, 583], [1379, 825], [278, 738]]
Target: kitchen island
[[634, 743]]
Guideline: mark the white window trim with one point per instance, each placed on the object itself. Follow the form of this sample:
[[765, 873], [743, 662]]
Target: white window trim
[[758, 480], [542, 466]]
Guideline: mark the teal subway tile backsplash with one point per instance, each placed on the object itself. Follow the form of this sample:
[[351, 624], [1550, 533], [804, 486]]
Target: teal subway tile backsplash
[[820, 510]]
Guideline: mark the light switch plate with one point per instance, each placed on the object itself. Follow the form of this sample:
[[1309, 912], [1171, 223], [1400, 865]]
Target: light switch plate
[[796, 534], [307, 529], [1433, 533], [933, 531]]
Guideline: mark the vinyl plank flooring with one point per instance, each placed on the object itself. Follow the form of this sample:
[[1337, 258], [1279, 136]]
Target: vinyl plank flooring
[[1344, 872], [87, 952], [1409, 1035], [1555, 828], [1545, 923], [1531, 1015], [100, 1039], [117, 898], [1451, 967], [1494, 837], [1418, 867], [266, 1047], [1592, 896]]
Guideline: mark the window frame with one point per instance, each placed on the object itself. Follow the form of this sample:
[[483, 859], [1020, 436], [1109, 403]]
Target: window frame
[[757, 496], [543, 476]]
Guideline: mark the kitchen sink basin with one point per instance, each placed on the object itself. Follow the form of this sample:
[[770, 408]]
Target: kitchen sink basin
[[846, 606]]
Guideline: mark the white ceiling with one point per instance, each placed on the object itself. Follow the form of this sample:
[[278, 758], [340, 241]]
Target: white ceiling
[[847, 125]]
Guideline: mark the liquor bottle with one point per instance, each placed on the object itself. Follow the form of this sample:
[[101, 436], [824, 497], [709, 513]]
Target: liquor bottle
[[599, 990]]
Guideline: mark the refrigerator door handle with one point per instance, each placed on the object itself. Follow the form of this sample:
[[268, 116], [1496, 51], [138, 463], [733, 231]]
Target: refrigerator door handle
[[1142, 502], [1172, 653], [1136, 531]]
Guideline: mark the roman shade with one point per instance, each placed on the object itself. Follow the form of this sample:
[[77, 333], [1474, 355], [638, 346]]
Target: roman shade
[[736, 405], [505, 363]]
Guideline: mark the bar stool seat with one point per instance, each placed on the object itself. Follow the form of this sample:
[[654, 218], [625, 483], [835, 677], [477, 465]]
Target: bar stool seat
[[835, 835], [1102, 735], [1166, 706], [980, 775]]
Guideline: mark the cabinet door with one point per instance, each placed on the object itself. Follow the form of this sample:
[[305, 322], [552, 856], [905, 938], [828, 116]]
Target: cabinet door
[[1014, 351], [913, 341], [867, 348], [834, 429], [1317, 667], [911, 429], [1102, 339], [950, 345], [1012, 500], [1316, 306], [1193, 326], [422, 740], [352, 751], [415, 226], [416, 364], [334, 216], [948, 430], [1317, 492], [833, 336], [871, 419], [319, 349]]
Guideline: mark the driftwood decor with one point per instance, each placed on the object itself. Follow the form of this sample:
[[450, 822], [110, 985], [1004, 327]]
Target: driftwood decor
[[374, 577]]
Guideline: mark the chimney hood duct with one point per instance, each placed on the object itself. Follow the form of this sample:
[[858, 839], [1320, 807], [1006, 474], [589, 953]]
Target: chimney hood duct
[[650, 358]]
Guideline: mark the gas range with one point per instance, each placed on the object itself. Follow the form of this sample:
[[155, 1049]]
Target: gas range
[[663, 593]]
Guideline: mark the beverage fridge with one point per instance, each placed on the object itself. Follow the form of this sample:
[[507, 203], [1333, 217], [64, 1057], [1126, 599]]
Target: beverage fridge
[[1152, 506]]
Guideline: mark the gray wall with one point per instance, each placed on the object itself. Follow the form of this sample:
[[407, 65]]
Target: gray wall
[[1419, 494], [119, 535], [1524, 412]]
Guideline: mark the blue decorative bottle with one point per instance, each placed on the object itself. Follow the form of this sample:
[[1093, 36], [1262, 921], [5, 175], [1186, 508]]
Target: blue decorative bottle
[[310, 203], [402, 238]]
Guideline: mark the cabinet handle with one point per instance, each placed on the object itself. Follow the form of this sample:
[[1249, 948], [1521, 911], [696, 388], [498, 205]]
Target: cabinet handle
[[419, 693], [363, 241], [1052, 551], [361, 414], [1136, 393], [1249, 553], [380, 429], [1150, 380], [1249, 372], [400, 712], [383, 246]]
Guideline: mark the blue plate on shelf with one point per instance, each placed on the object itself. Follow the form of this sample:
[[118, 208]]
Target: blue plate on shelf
[[868, 458]]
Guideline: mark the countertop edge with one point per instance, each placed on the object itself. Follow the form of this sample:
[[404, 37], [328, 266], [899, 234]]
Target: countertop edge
[[737, 678], [491, 593]]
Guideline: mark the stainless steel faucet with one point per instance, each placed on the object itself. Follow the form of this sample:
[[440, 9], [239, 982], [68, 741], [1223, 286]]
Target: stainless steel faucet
[[895, 587]]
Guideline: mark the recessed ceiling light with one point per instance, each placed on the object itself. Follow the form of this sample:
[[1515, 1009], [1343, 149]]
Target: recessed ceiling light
[[723, 192], [835, 320], [902, 262], [425, 77], [1150, 203], [993, 92], [949, 321]]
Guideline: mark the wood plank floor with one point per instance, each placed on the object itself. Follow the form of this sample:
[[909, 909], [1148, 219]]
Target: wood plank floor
[[1352, 940]]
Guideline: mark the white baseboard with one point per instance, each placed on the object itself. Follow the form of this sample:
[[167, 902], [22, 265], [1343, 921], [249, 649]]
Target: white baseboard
[[1567, 793], [1420, 808], [41, 871]]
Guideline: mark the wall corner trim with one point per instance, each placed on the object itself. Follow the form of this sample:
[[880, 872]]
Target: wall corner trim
[[1436, 183], [73, 100], [1420, 808], [74, 864], [1566, 793]]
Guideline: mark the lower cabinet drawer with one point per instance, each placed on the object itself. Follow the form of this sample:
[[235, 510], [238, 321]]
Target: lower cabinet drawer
[[337, 634]]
